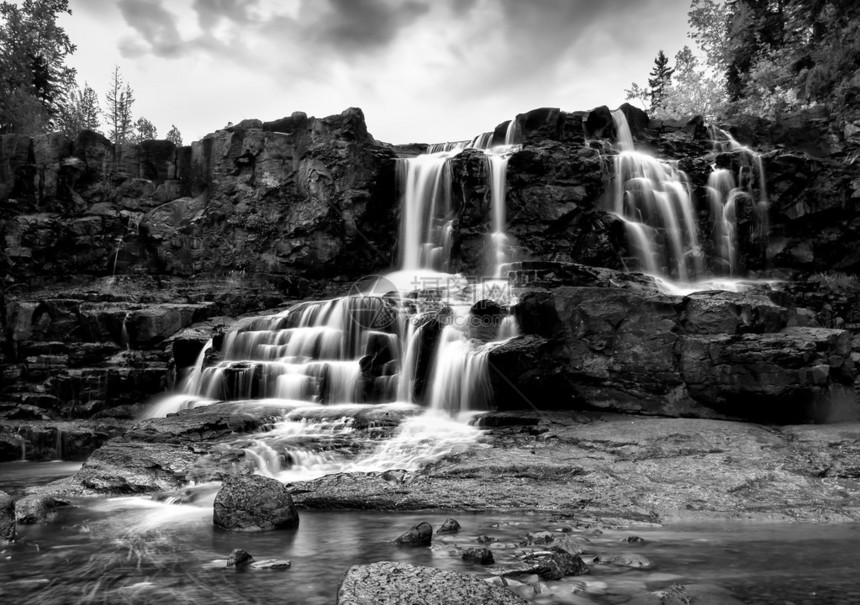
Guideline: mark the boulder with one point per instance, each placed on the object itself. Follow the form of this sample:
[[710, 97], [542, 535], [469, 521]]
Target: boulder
[[450, 526], [388, 583], [482, 556], [7, 518], [553, 564], [418, 535], [252, 503]]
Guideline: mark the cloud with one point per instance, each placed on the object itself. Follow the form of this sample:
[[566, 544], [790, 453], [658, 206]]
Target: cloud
[[211, 12], [357, 26], [155, 25]]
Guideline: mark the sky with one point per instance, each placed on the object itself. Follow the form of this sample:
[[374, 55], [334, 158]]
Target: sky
[[421, 70]]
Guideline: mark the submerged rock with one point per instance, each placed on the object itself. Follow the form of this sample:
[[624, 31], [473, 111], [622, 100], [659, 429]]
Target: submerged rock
[[450, 526], [254, 503], [388, 583], [628, 559], [7, 517], [239, 558], [418, 535], [34, 509], [271, 564]]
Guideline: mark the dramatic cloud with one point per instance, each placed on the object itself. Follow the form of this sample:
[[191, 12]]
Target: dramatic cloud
[[155, 25], [351, 26], [420, 69]]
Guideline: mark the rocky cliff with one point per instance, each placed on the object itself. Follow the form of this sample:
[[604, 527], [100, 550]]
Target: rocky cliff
[[293, 197], [109, 253]]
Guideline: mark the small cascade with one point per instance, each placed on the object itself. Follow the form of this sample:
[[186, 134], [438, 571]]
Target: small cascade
[[446, 147], [119, 241], [721, 198], [460, 376], [512, 134], [653, 200], [126, 339], [427, 217], [482, 141], [58, 449], [750, 174], [498, 238]]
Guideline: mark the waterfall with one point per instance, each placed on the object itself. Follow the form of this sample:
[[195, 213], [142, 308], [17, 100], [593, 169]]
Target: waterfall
[[653, 200], [747, 185], [498, 239], [426, 216], [416, 343]]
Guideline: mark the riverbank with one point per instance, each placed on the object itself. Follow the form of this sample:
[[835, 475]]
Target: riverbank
[[659, 470]]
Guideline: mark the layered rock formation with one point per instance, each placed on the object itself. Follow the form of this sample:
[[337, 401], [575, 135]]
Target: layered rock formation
[[291, 197], [600, 339], [263, 213]]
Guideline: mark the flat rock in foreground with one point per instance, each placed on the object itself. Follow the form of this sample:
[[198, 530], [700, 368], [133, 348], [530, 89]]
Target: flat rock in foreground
[[657, 469], [388, 583]]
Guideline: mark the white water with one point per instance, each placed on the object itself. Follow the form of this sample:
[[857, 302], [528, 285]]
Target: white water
[[383, 342], [653, 198]]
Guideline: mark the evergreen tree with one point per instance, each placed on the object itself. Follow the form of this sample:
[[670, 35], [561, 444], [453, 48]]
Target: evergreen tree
[[144, 130], [34, 79], [79, 112], [120, 99], [660, 80], [174, 136]]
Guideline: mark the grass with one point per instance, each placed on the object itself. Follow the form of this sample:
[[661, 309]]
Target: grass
[[835, 280]]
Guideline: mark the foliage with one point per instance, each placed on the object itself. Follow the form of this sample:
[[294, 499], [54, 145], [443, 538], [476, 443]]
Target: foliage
[[781, 55], [34, 79], [694, 91], [761, 57], [174, 136], [660, 80], [144, 130], [120, 99], [80, 111], [835, 280], [637, 93]]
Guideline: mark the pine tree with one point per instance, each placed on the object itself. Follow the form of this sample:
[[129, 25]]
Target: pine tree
[[120, 99], [80, 111], [660, 80], [174, 136], [144, 130], [34, 80]]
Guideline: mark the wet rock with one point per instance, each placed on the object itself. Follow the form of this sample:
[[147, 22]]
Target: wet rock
[[239, 558], [628, 560], [720, 312], [418, 535], [482, 556], [633, 540], [253, 503], [450, 526], [36, 509], [271, 564], [552, 564], [7, 518], [388, 583]]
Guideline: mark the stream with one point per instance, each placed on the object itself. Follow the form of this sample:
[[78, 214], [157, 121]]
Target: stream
[[135, 550]]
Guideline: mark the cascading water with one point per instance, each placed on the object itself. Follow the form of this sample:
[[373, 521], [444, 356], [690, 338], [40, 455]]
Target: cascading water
[[653, 199], [406, 340]]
